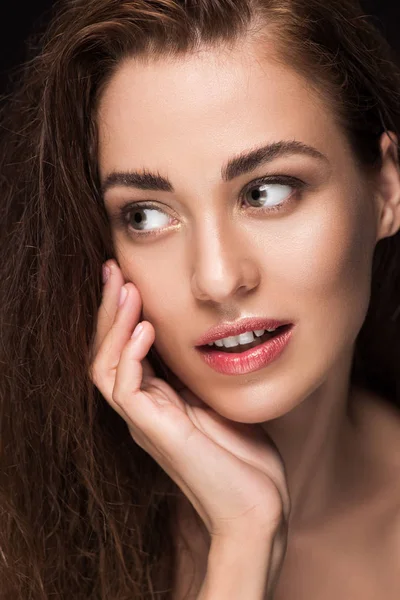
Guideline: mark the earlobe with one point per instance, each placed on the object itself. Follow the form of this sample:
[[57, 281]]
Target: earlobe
[[388, 189]]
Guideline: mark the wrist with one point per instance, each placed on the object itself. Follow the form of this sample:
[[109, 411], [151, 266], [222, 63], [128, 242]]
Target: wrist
[[237, 568]]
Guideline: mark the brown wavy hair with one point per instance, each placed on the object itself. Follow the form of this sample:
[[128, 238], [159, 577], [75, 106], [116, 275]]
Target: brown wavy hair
[[84, 512]]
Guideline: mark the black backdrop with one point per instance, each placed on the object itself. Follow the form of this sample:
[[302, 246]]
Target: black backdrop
[[18, 19]]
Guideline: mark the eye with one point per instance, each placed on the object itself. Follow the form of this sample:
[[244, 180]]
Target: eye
[[144, 217], [270, 193]]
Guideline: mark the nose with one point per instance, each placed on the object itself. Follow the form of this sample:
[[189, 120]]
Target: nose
[[223, 266]]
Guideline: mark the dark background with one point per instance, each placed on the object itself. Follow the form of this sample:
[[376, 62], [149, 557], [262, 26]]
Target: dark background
[[19, 19]]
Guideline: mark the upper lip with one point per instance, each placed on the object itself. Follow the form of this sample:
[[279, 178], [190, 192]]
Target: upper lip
[[224, 330]]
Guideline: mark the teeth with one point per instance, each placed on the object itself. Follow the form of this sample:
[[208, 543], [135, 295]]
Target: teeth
[[246, 338], [231, 341], [237, 340]]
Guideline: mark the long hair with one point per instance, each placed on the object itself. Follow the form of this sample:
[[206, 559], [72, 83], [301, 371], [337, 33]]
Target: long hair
[[84, 512]]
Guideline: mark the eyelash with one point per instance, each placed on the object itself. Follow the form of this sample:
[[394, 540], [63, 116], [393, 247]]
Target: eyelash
[[124, 212]]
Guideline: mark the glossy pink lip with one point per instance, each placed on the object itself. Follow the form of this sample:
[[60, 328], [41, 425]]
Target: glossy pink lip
[[240, 363], [227, 329]]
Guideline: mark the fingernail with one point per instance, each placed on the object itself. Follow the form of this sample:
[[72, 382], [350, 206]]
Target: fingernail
[[137, 331], [106, 273], [123, 295]]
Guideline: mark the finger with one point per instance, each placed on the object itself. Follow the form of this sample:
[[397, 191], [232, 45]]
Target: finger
[[129, 375], [109, 309], [118, 335], [110, 387], [109, 304]]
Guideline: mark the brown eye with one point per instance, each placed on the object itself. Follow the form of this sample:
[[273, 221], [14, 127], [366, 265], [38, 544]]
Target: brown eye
[[265, 195]]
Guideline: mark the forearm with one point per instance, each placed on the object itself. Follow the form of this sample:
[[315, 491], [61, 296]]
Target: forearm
[[237, 569]]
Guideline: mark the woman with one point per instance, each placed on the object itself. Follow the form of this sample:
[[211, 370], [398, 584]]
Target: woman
[[220, 418]]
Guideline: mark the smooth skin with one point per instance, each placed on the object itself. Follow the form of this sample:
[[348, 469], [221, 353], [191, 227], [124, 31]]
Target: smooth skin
[[216, 261]]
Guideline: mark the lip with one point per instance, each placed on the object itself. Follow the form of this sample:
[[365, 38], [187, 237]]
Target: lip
[[249, 361], [228, 329]]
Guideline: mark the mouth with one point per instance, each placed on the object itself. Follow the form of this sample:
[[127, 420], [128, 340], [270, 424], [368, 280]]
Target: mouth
[[245, 358], [240, 348]]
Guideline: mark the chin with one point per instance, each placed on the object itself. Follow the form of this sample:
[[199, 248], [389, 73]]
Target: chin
[[251, 402]]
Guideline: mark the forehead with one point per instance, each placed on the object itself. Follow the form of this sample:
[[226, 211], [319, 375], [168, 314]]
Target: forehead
[[202, 107]]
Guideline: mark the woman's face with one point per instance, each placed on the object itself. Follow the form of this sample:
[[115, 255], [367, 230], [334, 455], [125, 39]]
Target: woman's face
[[288, 237]]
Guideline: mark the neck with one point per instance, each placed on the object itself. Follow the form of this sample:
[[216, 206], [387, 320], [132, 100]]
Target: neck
[[314, 440]]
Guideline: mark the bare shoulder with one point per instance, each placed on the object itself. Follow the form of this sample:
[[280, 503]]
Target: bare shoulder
[[378, 424], [354, 550]]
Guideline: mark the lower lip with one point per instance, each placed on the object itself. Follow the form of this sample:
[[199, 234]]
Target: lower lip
[[240, 363]]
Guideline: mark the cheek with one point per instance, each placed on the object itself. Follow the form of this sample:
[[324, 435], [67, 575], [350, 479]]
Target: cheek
[[331, 244], [160, 282], [331, 277]]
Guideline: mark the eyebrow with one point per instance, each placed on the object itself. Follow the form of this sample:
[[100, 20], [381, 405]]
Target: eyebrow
[[241, 164]]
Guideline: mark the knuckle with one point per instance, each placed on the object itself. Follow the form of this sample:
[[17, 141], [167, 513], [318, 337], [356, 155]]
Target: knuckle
[[118, 395]]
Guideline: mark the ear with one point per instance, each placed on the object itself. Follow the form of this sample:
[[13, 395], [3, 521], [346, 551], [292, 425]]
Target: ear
[[388, 188]]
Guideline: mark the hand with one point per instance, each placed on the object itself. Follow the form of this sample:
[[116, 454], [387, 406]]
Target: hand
[[231, 472]]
